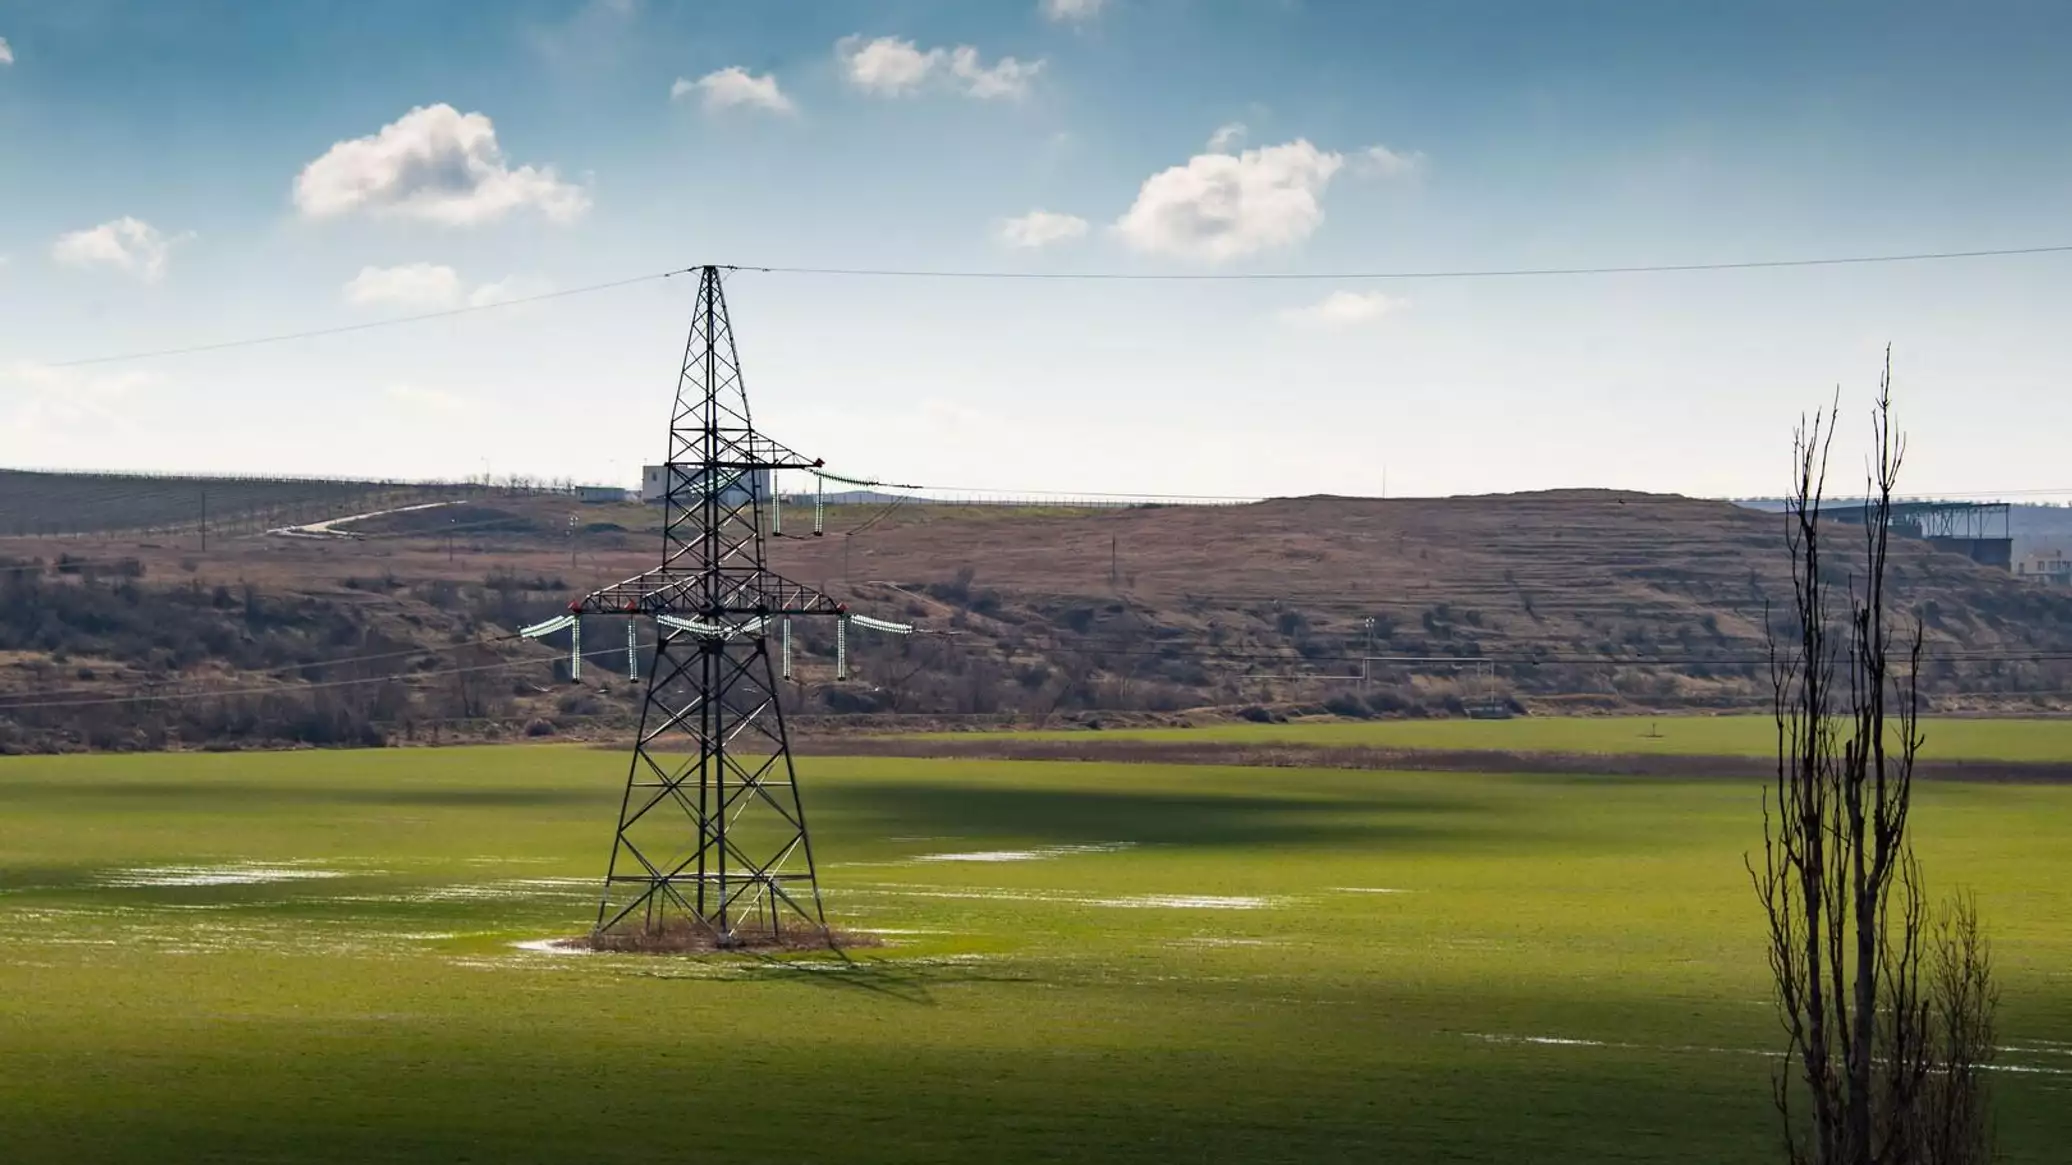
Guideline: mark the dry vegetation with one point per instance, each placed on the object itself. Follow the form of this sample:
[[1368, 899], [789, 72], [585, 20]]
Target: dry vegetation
[[683, 936], [1589, 600]]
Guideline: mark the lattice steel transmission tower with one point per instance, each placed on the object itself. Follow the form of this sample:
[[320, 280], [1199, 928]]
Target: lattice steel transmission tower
[[712, 829]]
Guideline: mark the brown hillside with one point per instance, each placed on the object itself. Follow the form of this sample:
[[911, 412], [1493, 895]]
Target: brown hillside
[[1590, 598]]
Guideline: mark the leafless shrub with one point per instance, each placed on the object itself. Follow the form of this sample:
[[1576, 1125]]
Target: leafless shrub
[[1888, 1017]]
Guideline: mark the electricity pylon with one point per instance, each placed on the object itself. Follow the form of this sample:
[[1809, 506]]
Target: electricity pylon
[[712, 828]]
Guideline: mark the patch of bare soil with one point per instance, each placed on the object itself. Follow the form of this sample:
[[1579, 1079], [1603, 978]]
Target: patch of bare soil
[[980, 747], [686, 937]]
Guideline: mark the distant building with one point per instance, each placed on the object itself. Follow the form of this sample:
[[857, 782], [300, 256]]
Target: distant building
[[1980, 531], [653, 487], [600, 494], [2050, 567]]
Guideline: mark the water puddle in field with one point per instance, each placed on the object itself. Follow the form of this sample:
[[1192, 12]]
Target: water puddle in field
[[898, 890], [1221, 941], [552, 946], [1028, 855], [2038, 1048], [1185, 902], [1133, 902], [235, 874], [1545, 1041], [1571, 1042], [509, 888]]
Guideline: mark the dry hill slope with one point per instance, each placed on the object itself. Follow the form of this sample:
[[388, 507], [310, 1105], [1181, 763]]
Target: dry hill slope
[[1576, 598]]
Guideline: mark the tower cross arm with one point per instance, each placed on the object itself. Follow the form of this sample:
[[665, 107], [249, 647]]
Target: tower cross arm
[[696, 449], [717, 593], [763, 453]]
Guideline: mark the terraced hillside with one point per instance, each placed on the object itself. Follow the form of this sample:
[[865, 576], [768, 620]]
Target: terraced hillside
[[1573, 593], [1582, 600]]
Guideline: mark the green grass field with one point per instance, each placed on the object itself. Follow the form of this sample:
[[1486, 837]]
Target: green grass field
[[1953, 739], [310, 956]]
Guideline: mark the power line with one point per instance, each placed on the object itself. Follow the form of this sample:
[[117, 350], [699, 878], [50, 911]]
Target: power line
[[295, 689], [367, 325], [1013, 495], [275, 672], [1100, 276], [1443, 273], [1209, 655]]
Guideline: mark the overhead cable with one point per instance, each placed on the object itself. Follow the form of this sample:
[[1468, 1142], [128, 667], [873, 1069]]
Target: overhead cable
[[367, 325], [1403, 275], [1436, 273]]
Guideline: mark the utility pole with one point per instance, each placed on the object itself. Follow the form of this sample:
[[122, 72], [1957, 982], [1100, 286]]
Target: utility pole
[[204, 521]]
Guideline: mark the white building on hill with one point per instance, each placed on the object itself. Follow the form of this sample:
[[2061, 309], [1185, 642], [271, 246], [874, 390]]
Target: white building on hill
[[653, 489], [2051, 567]]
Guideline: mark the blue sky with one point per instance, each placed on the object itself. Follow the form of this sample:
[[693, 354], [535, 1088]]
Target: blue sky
[[183, 174]]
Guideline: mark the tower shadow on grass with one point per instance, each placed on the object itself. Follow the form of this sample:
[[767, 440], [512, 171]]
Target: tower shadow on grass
[[885, 979], [1158, 818]]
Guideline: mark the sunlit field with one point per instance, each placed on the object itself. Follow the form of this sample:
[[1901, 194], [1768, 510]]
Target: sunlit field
[[316, 956]]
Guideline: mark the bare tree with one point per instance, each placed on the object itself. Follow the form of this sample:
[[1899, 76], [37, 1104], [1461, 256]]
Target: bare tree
[[1888, 1017]]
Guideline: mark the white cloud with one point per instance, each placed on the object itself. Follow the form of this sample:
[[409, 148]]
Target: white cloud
[[1064, 10], [886, 66], [432, 286], [425, 400], [1221, 206], [418, 286], [1040, 228], [1007, 77], [437, 164], [889, 66], [1342, 309], [126, 244], [1383, 162], [1226, 136], [735, 86], [511, 287], [6, 52]]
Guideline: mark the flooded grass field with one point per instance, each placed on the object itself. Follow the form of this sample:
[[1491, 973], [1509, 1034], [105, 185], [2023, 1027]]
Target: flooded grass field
[[349, 956]]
